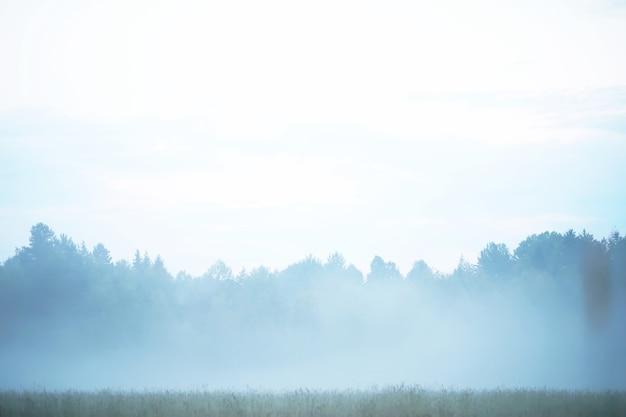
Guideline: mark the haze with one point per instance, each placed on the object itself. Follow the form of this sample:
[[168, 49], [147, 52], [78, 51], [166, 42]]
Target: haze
[[550, 314], [257, 133]]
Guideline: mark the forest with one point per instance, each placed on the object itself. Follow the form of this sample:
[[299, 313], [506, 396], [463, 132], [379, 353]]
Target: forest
[[550, 313]]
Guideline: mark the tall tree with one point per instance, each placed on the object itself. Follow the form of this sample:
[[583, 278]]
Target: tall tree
[[219, 271], [464, 270], [101, 255], [542, 253], [420, 271], [335, 262], [495, 260], [137, 261], [617, 252], [42, 242], [379, 269]]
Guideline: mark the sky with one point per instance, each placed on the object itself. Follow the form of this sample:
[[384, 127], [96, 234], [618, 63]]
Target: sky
[[261, 132]]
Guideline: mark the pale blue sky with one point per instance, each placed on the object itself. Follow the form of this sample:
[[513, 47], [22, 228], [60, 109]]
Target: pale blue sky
[[261, 132]]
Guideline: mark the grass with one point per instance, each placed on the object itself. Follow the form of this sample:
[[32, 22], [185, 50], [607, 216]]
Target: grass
[[392, 401]]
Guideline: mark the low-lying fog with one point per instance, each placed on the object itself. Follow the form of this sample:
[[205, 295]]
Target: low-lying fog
[[358, 336], [314, 325]]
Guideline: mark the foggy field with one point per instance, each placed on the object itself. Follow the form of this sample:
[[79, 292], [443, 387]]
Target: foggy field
[[329, 208], [71, 319], [391, 401]]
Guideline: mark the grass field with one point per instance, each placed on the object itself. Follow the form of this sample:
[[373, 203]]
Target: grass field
[[391, 401]]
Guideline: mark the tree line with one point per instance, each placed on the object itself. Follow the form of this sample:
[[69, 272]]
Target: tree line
[[64, 291]]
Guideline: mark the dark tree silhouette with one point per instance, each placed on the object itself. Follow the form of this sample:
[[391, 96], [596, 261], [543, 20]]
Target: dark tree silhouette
[[42, 242], [53, 282], [101, 255], [495, 260], [544, 253]]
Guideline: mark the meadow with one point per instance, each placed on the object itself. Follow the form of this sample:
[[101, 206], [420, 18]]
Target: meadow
[[390, 401]]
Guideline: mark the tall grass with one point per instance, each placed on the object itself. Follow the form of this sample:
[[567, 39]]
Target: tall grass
[[391, 401]]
